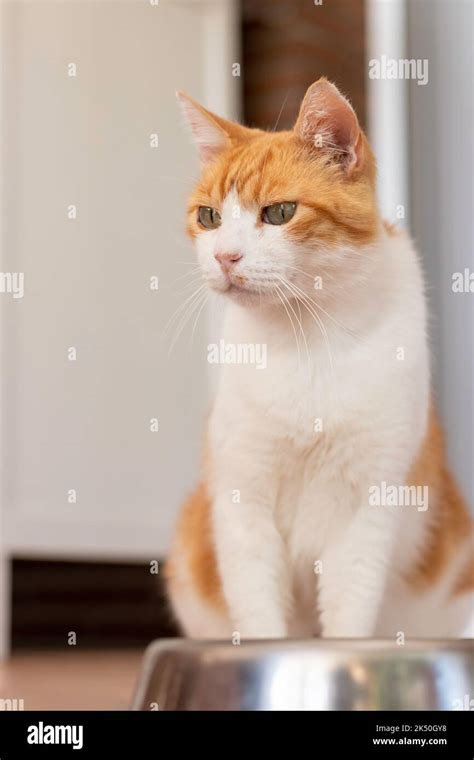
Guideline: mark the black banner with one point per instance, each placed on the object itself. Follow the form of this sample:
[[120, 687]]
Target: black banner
[[147, 734]]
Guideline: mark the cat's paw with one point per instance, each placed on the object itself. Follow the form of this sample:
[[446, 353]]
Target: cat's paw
[[341, 626], [262, 629]]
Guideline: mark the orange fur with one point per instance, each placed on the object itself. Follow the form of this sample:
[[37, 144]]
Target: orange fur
[[450, 523], [331, 209], [391, 229], [195, 545], [465, 580]]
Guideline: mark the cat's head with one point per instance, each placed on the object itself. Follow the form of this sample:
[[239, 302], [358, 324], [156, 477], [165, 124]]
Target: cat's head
[[274, 212]]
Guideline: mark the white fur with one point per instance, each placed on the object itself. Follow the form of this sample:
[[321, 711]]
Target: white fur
[[304, 494]]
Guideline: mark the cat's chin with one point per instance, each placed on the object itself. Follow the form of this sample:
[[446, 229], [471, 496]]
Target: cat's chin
[[245, 296]]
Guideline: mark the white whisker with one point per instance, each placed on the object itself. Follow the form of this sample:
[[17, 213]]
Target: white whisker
[[191, 308], [182, 307], [283, 299]]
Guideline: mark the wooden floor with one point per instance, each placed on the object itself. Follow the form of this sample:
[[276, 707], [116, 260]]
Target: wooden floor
[[71, 680]]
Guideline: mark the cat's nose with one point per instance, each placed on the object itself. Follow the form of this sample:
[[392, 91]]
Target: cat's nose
[[227, 260]]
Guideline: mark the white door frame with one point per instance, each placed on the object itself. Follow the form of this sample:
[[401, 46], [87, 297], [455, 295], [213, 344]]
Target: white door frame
[[387, 106]]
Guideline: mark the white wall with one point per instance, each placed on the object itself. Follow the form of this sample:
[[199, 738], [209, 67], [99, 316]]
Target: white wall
[[442, 171], [84, 140]]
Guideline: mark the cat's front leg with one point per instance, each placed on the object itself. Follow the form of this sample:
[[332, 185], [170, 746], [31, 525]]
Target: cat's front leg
[[354, 574], [251, 555], [251, 561]]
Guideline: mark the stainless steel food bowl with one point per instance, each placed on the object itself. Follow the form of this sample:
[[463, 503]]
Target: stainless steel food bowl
[[306, 675]]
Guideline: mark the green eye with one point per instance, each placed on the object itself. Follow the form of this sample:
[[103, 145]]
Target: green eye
[[209, 217], [279, 213]]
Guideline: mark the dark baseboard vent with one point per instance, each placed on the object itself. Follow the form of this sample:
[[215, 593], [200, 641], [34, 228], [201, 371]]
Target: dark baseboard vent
[[106, 605]]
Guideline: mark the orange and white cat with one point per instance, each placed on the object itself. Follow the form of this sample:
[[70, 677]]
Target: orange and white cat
[[304, 523]]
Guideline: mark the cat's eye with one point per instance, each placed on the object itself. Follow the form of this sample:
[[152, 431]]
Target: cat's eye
[[209, 217], [279, 213]]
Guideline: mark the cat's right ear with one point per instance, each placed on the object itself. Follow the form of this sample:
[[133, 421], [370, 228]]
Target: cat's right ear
[[328, 122], [211, 133]]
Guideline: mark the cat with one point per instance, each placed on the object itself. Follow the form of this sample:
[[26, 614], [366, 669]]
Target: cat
[[303, 523]]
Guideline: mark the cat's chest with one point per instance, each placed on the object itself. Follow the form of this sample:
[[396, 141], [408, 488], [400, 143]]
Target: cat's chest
[[298, 397], [315, 494]]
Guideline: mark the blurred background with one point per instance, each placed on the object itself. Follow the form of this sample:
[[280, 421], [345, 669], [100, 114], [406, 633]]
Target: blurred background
[[100, 424]]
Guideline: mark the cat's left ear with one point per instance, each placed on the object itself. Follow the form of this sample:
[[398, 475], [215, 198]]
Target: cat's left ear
[[328, 122], [212, 133]]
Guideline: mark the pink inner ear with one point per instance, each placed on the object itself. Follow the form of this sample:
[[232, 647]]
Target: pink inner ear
[[210, 138], [327, 120]]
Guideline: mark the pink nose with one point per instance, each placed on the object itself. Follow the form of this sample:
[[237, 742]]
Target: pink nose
[[227, 260]]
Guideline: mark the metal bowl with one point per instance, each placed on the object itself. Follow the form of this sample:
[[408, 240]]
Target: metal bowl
[[313, 674]]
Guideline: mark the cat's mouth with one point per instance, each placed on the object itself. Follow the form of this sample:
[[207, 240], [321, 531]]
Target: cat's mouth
[[239, 288], [239, 285], [235, 283], [244, 289]]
